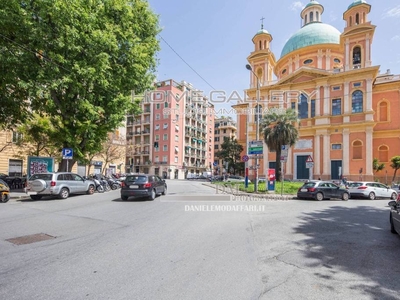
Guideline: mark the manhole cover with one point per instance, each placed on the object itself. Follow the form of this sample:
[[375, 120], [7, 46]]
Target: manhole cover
[[29, 239]]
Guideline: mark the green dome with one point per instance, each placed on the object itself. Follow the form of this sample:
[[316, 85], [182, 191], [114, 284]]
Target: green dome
[[312, 34], [357, 2], [312, 2]]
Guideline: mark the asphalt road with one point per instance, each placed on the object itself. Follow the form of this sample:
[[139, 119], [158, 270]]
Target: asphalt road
[[177, 248]]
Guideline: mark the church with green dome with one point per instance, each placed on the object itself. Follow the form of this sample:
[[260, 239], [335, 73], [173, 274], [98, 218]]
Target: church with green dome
[[347, 109]]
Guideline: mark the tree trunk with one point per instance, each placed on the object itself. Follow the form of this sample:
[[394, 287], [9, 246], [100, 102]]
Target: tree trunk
[[394, 175], [278, 172], [62, 167]]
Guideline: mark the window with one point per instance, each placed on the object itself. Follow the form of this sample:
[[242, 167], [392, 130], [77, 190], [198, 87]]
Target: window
[[158, 106], [336, 107], [157, 116], [357, 19], [383, 154], [216, 147], [165, 116], [216, 139], [164, 158], [336, 60], [165, 104], [357, 150], [293, 105], [17, 137], [224, 130], [176, 149], [356, 56], [311, 16], [303, 107], [165, 148], [157, 159], [165, 126], [357, 102], [336, 88], [165, 137], [157, 126], [176, 138], [383, 111], [357, 84], [308, 61], [284, 71], [176, 159], [157, 137], [336, 146], [312, 108]]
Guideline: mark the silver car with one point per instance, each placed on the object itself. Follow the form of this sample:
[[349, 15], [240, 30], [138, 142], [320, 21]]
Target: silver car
[[371, 190], [60, 184]]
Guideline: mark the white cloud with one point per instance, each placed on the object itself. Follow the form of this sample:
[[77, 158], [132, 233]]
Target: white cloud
[[394, 12], [395, 38], [297, 5]]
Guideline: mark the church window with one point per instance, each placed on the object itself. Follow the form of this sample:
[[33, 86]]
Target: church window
[[357, 102], [357, 150], [312, 108], [303, 107], [356, 56], [357, 19], [336, 60], [336, 107], [308, 61], [311, 16], [284, 71]]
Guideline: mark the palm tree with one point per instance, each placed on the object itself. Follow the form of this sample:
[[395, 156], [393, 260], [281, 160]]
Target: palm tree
[[395, 164], [278, 129]]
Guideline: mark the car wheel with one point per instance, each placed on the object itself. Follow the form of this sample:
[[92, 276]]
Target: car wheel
[[165, 191], [392, 230], [90, 190], [319, 197], [124, 198], [152, 194], [64, 193], [36, 197], [5, 198], [394, 196], [345, 196], [371, 196]]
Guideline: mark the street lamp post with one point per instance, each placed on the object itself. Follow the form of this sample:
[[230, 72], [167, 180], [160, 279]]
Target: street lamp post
[[248, 67]]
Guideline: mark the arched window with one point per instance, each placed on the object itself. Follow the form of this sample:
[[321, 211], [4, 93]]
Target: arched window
[[383, 111], [356, 55], [311, 16], [303, 107], [357, 150], [258, 112], [383, 153], [357, 19], [165, 104], [357, 102]]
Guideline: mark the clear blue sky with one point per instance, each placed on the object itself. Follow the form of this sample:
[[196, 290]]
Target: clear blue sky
[[214, 36]]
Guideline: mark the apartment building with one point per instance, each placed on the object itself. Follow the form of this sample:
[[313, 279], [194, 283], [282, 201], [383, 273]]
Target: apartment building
[[174, 135], [224, 127]]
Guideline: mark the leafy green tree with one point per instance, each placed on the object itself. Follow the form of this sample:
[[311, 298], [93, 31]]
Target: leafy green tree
[[230, 152], [377, 166], [77, 62], [395, 164], [277, 128], [36, 134]]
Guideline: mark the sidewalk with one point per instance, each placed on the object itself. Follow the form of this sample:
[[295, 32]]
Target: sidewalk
[[18, 195]]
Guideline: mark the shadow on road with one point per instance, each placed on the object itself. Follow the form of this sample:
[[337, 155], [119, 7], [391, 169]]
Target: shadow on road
[[354, 240]]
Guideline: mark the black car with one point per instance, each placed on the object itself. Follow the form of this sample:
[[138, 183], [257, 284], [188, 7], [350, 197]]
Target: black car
[[395, 216], [143, 186], [320, 190]]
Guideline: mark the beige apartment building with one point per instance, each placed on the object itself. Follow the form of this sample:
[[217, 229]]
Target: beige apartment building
[[224, 127], [173, 136]]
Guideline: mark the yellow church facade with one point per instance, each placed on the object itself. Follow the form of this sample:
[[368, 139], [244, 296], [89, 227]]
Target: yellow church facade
[[348, 112]]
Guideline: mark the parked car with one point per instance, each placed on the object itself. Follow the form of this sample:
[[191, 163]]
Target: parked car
[[143, 185], [60, 184], [320, 190], [394, 217], [371, 190]]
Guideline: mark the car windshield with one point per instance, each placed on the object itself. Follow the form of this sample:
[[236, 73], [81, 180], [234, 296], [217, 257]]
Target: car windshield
[[309, 184], [46, 177], [137, 179]]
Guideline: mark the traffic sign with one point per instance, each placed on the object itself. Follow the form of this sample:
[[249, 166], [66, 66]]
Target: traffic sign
[[256, 147], [309, 159], [283, 158], [215, 164], [245, 158], [67, 153], [309, 165]]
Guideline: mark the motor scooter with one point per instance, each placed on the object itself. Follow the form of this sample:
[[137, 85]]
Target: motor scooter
[[4, 191]]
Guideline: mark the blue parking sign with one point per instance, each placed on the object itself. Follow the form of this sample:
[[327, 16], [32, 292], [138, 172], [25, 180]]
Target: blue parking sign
[[67, 153]]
